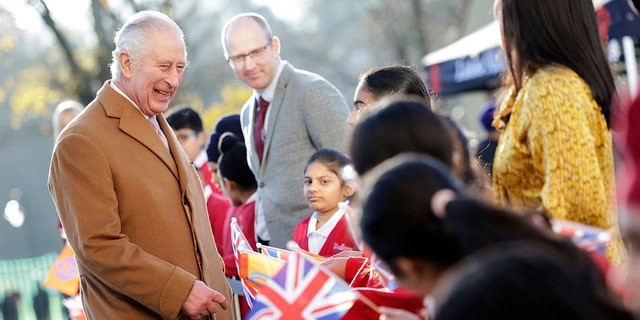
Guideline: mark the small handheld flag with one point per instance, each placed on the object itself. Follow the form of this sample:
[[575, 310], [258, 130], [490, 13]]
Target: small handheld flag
[[63, 274], [303, 290]]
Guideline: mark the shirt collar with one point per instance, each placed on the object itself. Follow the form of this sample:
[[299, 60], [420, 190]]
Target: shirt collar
[[113, 85], [328, 226], [252, 197], [201, 159]]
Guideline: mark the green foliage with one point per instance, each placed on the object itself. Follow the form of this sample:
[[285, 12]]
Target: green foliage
[[31, 97], [336, 39], [233, 97]]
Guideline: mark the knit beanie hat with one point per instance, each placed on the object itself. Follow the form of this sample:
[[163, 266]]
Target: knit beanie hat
[[233, 161], [229, 123]]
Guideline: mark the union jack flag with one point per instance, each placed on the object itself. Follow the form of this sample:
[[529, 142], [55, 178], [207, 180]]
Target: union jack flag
[[315, 258], [586, 237], [254, 269], [303, 290], [274, 252], [238, 239]]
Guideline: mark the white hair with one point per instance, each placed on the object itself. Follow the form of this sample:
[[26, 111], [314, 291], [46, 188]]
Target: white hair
[[133, 35], [67, 106]]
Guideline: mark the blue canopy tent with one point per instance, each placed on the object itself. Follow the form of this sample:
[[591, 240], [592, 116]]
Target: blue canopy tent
[[476, 61]]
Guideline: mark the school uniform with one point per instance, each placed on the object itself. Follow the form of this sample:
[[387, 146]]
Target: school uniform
[[246, 217], [333, 237]]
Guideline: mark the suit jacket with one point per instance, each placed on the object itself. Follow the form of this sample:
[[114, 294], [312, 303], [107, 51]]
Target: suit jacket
[[307, 113], [134, 214]]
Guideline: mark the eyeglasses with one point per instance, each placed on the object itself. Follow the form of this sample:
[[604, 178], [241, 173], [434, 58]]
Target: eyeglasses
[[239, 60]]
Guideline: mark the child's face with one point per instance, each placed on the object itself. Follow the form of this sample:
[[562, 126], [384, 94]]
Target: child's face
[[227, 191], [322, 189], [192, 142]]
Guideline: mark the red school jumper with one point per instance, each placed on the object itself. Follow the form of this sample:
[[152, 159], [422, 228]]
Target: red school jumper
[[339, 239]]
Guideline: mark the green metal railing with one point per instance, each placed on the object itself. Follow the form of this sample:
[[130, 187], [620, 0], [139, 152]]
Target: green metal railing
[[25, 277]]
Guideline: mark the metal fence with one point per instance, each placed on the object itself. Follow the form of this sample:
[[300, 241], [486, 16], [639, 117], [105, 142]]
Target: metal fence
[[21, 290]]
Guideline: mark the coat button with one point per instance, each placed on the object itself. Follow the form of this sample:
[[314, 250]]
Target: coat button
[[261, 184]]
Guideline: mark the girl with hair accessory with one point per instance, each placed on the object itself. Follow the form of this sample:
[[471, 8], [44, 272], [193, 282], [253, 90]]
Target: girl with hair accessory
[[239, 185], [326, 231], [419, 221], [555, 151], [329, 185]]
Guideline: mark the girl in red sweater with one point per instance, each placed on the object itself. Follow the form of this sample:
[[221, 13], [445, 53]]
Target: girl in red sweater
[[326, 232]]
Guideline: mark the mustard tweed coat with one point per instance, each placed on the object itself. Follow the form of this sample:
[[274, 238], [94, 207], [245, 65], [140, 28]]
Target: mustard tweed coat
[[555, 153]]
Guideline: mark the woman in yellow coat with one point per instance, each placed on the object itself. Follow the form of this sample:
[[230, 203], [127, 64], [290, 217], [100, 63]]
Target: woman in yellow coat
[[555, 151]]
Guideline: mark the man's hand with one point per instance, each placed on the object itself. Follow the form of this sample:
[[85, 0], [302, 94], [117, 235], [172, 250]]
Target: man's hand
[[203, 301]]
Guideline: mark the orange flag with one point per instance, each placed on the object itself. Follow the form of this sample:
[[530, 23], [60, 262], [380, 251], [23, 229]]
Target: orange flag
[[63, 274], [256, 268]]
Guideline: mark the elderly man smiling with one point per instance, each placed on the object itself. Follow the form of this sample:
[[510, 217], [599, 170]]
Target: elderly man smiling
[[129, 200]]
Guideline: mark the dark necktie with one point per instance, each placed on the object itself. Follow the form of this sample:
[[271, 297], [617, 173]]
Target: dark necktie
[[258, 136]]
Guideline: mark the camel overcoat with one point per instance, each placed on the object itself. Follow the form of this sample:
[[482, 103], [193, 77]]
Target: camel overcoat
[[134, 213]]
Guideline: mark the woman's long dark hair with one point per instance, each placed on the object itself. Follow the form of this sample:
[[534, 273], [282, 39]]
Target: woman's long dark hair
[[541, 32]]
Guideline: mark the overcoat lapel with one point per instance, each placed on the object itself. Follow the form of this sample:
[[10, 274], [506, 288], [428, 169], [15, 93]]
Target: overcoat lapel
[[176, 149], [133, 123]]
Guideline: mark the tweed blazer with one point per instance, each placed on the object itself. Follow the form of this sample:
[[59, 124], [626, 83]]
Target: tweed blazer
[[134, 213], [306, 114]]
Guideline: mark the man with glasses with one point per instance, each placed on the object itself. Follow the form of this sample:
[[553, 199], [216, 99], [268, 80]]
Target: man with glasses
[[291, 114]]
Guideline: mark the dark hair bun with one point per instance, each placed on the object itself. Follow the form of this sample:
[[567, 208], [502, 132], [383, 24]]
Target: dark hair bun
[[227, 141], [233, 161]]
